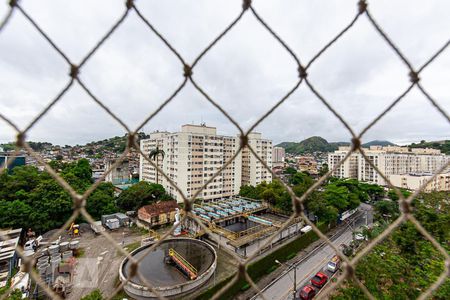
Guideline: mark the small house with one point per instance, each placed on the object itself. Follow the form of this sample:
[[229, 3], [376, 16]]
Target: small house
[[158, 213]]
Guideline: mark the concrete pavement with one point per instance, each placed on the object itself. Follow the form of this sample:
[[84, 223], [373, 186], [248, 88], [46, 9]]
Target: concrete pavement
[[282, 287]]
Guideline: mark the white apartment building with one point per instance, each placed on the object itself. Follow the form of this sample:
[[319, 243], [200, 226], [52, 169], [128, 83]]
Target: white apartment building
[[415, 181], [191, 158], [390, 160], [278, 154], [253, 171]]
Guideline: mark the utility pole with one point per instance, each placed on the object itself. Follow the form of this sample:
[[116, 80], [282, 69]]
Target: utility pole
[[294, 267]]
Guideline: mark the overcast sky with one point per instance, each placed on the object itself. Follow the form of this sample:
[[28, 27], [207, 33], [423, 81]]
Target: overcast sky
[[247, 72]]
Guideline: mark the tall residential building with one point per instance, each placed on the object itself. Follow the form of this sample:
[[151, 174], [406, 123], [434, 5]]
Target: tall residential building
[[192, 157], [390, 160], [253, 171], [349, 169], [278, 154], [415, 181]]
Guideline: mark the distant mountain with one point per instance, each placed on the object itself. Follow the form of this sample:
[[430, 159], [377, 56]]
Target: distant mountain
[[319, 144], [378, 143]]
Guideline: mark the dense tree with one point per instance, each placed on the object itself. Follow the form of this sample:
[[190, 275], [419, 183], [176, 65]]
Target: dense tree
[[374, 191], [386, 209], [33, 199], [289, 171], [393, 195], [248, 191], [301, 178], [405, 264], [323, 169], [100, 201], [140, 194]]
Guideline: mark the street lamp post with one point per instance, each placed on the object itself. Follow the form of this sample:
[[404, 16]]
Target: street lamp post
[[294, 267]]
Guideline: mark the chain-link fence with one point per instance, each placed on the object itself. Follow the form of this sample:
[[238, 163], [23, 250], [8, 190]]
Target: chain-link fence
[[361, 11]]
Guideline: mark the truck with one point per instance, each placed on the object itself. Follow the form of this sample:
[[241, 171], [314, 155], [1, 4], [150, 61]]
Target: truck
[[97, 227]]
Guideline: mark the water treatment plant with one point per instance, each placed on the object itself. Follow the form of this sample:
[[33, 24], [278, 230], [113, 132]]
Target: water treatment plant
[[174, 268]]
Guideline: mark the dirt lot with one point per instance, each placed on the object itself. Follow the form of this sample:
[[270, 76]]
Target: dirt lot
[[99, 264]]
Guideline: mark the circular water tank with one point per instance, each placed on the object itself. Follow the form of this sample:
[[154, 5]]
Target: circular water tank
[[166, 279]]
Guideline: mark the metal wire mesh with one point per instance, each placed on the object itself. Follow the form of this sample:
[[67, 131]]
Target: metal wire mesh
[[79, 201]]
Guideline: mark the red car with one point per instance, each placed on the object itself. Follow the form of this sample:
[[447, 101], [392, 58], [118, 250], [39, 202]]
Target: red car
[[307, 292], [319, 280]]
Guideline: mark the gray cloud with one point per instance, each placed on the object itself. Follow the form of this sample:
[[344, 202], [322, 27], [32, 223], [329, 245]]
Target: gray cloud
[[247, 72]]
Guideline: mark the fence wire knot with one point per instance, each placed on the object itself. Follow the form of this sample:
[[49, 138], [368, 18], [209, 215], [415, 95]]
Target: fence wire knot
[[302, 72], [187, 206], [131, 140], [78, 202], [349, 269], [243, 140], [241, 271], [246, 4], [187, 70], [20, 142], [406, 207], [414, 77], [74, 70], [362, 6], [129, 4], [356, 144], [13, 3], [298, 207], [133, 268]]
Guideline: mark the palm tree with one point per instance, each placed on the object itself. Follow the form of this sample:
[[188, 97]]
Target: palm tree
[[154, 154]]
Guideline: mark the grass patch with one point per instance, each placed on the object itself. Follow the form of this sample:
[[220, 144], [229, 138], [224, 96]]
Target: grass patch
[[120, 295], [130, 247], [80, 252], [271, 269], [139, 230], [290, 256]]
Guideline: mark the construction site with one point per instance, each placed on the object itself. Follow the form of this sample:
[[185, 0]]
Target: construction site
[[242, 224]]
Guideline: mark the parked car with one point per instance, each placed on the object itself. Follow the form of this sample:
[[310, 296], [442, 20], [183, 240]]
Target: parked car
[[334, 264], [307, 292], [359, 237], [319, 280]]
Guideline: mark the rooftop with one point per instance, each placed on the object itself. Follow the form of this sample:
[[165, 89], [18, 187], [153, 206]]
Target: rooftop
[[159, 208]]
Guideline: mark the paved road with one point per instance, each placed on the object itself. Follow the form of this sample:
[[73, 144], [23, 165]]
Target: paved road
[[282, 287]]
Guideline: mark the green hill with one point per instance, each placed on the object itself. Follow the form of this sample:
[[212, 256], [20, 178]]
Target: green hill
[[310, 145], [319, 144], [444, 145], [378, 143]]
